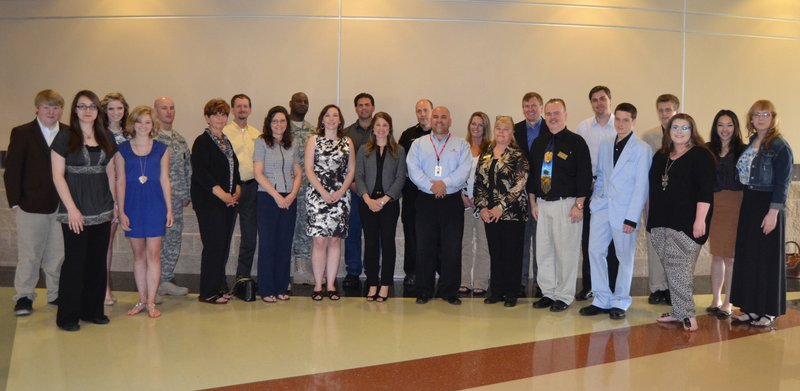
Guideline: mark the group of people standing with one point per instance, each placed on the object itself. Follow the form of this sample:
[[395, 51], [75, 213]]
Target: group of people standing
[[482, 212]]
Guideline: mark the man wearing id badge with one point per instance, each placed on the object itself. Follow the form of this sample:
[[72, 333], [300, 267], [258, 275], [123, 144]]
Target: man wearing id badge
[[439, 165]]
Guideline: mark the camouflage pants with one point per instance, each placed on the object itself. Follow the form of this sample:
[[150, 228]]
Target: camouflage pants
[[171, 245], [301, 244]]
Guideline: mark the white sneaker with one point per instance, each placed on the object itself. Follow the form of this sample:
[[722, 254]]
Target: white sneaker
[[168, 288]]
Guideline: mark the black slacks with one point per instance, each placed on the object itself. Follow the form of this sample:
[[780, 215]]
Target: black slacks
[[82, 285], [611, 258], [408, 216], [505, 240], [440, 228], [379, 232], [215, 223], [248, 228]]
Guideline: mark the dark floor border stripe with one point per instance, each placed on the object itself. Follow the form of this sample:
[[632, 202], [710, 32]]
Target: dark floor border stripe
[[506, 363]]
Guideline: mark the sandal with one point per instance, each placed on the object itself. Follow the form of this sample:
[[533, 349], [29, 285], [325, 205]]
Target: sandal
[[333, 295], [690, 324], [667, 318], [283, 297], [381, 299], [316, 295], [744, 318], [139, 307], [479, 292], [712, 310], [152, 311], [270, 299], [463, 291], [216, 299], [763, 321], [722, 314], [374, 295], [110, 301]]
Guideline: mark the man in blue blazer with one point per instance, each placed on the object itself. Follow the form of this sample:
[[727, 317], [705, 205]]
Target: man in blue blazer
[[620, 192]]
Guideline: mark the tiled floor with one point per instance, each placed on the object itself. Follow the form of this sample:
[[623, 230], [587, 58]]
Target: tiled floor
[[352, 344]]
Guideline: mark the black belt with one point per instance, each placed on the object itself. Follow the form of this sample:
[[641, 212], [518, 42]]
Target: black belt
[[551, 198], [451, 195], [249, 182]]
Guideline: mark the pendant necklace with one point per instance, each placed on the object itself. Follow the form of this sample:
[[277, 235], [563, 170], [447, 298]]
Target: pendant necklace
[[142, 178], [665, 177]]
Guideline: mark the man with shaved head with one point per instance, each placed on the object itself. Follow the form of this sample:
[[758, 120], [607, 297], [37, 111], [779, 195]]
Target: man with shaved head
[[439, 165], [301, 243], [180, 173]]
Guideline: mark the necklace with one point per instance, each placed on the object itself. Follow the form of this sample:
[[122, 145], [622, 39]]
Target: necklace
[[142, 165], [665, 177]]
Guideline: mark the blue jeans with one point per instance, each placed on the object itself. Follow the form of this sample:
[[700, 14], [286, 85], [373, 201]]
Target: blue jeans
[[275, 232], [352, 245]]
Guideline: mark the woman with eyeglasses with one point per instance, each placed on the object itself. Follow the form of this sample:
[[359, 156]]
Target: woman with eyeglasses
[[726, 145], [681, 198], [115, 113], [502, 204], [82, 165], [474, 249], [765, 170], [215, 189], [277, 162]]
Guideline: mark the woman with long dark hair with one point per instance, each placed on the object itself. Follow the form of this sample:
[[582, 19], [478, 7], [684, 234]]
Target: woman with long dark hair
[[765, 170], [276, 164], [115, 112], [330, 167], [726, 145], [380, 176], [82, 165], [681, 196]]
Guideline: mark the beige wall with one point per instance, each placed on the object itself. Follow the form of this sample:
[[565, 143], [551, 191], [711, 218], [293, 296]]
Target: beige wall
[[468, 55]]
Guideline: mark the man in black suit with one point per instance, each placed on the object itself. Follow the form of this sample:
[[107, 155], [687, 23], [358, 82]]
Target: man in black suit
[[33, 198], [525, 132]]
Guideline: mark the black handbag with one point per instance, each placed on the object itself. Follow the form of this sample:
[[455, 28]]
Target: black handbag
[[245, 289]]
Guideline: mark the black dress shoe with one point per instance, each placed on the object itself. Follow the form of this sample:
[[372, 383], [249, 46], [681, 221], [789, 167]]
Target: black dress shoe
[[351, 281], [616, 313], [659, 297], [544, 302], [423, 300], [70, 327], [592, 310], [100, 320], [409, 280], [492, 299], [538, 293], [559, 306], [454, 300], [510, 302], [585, 294]]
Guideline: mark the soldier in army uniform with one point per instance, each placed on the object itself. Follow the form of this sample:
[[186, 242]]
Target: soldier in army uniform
[[180, 173], [301, 244]]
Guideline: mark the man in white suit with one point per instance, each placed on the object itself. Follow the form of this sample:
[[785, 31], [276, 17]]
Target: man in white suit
[[620, 193]]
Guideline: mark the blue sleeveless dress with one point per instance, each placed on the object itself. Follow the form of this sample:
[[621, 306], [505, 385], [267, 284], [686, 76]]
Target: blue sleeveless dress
[[144, 202]]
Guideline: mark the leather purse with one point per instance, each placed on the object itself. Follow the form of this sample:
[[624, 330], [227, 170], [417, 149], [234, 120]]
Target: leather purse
[[245, 289], [793, 261]]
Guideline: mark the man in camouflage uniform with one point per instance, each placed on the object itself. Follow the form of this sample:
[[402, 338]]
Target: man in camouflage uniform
[[180, 174], [301, 244]]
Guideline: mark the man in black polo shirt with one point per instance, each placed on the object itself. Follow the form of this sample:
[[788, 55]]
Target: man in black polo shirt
[[559, 181]]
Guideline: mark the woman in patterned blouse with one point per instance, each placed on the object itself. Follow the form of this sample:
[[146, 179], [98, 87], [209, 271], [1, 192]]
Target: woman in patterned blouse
[[502, 202]]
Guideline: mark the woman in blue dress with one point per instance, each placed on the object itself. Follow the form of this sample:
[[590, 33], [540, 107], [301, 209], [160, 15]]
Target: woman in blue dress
[[145, 207]]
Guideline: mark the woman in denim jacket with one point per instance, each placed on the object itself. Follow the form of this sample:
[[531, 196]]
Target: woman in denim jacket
[[759, 278]]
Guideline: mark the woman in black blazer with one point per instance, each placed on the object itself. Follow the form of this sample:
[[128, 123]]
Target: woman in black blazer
[[215, 194], [380, 175]]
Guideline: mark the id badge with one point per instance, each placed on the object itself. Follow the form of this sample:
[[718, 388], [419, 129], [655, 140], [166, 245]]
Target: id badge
[[437, 171]]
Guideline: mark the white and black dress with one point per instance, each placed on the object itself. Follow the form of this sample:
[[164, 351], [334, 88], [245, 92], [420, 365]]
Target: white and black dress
[[330, 167]]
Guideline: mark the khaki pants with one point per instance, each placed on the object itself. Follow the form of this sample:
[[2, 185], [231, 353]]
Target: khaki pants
[[557, 249], [40, 244], [474, 253]]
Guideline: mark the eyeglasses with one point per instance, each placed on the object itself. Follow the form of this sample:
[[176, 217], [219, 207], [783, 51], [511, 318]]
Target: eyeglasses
[[86, 107], [684, 128], [762, 114]]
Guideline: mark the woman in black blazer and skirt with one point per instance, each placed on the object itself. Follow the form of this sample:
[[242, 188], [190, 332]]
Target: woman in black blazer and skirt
[[380, 175], [215, 194]]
